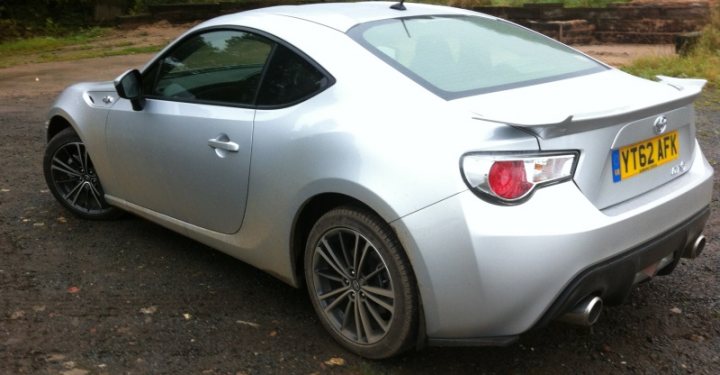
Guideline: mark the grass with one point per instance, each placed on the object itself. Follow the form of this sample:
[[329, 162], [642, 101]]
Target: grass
[[696, 65], [79, 45], [86, 54], [710, 99], [49, 43], [702, 61]]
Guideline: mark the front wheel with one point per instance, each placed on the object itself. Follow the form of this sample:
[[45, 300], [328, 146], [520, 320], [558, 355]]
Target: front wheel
[[361, 283], [71, 177]]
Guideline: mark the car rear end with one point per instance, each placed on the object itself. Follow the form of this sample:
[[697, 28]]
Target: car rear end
[[496, 266], [616, 193], [489, 272], [640, 175]]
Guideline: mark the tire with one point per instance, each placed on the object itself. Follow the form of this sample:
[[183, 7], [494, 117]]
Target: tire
[[70, 176], [361, 284]]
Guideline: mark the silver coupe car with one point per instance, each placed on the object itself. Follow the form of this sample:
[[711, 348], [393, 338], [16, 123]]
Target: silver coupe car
[[430, 174]]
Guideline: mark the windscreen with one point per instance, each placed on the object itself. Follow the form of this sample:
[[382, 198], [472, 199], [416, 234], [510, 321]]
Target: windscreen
[[456, 56]]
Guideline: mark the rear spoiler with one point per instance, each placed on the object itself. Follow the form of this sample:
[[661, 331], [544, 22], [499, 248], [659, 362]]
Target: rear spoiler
[[688, 90]]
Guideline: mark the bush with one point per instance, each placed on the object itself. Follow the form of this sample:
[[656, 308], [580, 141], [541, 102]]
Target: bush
[[22, 18], [9, 29], [709, 42], [702, 61]]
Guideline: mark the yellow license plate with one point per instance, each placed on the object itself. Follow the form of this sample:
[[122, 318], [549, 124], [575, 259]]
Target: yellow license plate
[[637, 158]]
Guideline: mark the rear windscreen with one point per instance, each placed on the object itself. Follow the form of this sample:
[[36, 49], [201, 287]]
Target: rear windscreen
[[456, 56]]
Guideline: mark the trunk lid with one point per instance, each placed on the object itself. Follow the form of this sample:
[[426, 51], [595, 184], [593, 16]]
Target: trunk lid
[[621, 125]]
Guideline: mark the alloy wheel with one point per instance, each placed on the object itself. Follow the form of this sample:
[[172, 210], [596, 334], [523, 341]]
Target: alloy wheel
[[353, 286], [75, 180]]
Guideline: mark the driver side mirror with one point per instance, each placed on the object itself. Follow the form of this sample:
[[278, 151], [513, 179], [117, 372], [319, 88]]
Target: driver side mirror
[[129, 86]]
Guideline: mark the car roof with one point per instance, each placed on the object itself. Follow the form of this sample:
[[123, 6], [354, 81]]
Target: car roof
[[343, 16]]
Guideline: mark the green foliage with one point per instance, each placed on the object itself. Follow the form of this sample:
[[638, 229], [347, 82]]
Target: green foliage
[[703, 60], [138, 7], [23, 18], [709, 42], [37, 12], [9, 29]]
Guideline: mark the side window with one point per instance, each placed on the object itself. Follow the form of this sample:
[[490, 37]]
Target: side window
[[289, 78], [219, 66]]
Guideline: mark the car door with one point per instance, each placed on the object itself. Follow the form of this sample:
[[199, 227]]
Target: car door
[[186, 154]]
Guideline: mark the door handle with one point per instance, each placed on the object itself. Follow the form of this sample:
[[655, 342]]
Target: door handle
[[223, 144]]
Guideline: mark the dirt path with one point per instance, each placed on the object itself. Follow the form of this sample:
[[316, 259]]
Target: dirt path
[[128, 296]]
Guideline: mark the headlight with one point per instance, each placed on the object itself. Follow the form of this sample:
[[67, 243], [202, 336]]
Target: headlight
[[510, 178]]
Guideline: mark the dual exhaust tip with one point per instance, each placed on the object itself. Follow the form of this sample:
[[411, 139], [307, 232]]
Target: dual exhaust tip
[[587, 312]]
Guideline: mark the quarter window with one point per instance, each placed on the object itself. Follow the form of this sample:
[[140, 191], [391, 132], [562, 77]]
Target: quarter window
[[289, 79]]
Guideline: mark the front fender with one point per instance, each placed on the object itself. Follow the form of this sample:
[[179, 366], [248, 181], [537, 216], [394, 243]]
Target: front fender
[[85, 108]]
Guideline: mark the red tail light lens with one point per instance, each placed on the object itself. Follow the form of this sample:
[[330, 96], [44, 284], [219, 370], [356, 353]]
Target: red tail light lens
[[510, 178], [507, 179]]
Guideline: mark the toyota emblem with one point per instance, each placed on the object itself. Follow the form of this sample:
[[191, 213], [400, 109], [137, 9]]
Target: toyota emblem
[[660, 124]]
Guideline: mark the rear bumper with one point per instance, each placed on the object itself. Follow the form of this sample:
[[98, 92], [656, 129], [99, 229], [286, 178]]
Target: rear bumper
[[488, 273], [612, 279]]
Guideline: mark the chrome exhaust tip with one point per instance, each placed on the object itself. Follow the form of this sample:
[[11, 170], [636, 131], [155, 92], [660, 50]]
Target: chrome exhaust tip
[[697, 247], [586, 313]]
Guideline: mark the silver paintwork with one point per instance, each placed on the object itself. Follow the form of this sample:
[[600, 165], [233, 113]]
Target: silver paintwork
[[483, 270], [164, 161], [483, 246]]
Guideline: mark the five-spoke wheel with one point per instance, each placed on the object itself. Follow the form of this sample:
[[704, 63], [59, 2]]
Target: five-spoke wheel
[[361, 284]]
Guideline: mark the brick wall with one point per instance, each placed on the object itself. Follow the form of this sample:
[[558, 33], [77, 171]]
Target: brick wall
[[628, 23]]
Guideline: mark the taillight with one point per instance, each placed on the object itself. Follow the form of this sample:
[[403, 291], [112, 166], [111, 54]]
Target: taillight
[[511, 178], [507, 179]]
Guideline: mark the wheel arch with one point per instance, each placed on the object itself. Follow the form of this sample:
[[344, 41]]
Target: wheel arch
[[56, 124], [305, 219], [309, 213]]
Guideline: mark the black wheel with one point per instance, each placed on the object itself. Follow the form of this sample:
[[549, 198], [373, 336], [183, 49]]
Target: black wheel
[[361, 283], [71, 177]]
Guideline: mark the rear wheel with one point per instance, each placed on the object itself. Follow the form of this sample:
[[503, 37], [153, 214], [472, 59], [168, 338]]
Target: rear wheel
[[361, 284], [71, 177]]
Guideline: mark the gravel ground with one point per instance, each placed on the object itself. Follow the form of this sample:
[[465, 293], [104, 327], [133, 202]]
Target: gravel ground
[[128, 296]]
